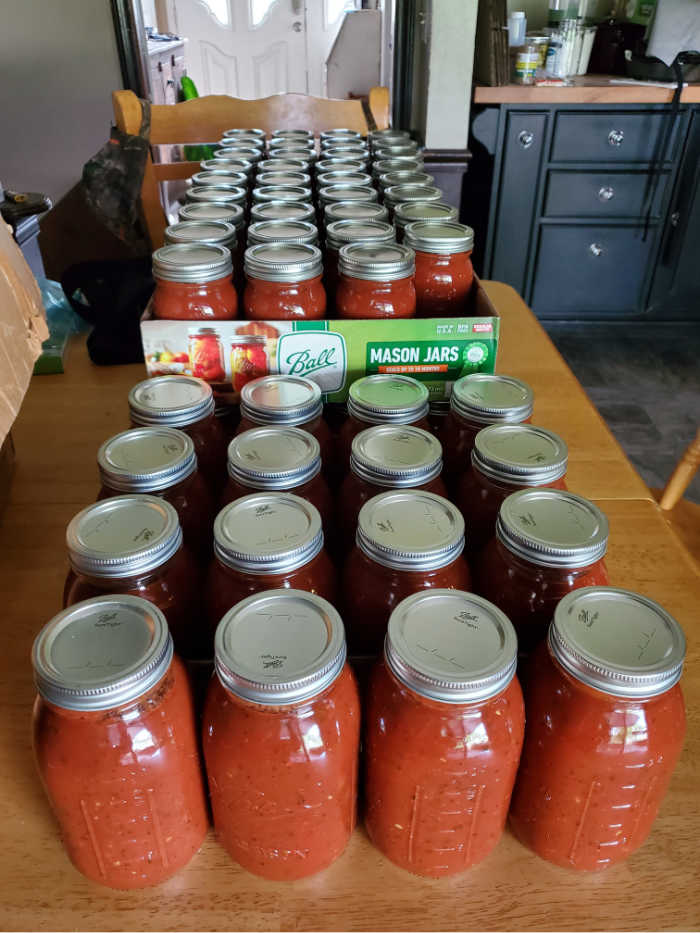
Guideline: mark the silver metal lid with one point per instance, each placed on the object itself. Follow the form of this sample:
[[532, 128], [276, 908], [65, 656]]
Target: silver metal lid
[[175, 401], [387, 262], [101, 653], [268, 532], [202, 231], [274, 458], [336, 177], [345, 151], [520, 454], [617, 641], [221, 194], [397, 164], [385, 398], [388, 133], [451, 646], [282, 231], [192, 262], [405, 177], [488, 399], [282, 210], [443, 238], [281, 193], [552, 528], [249, 153], [245, 140], [340, 232], [286, 400], [276, 134], [284, 165], [226, 213], [283, 262], [424, 211], [389, 150], [340, 131], [280, 647], [287, 144], [218, 178], [354, 210], [228, 163], [293, 152], [338, 164], [410, 530], [400, 194], [396, 455], [244, 131], [332, 193], [343, 136], [146, 459], [123, 536], [283, 179]]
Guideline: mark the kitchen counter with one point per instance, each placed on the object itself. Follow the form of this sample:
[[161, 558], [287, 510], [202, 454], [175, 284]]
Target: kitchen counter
[[586, 89]]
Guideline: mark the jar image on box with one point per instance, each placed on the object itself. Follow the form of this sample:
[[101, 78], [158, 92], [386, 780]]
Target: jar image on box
[[405, 194], [444, 731], [284, 282], [187, 403], [115, 742], [605, 728], [547, 543], [161, 462], [476, 401], [282, 210], [341, 232], [382, 399], [193, 283], [248, 359], [133, 545], [354, 210], [505, 458], [282, 231], [406, 541], [427, 212], [281, 735], [375, 281], [266, 541], [444, 273], [206, 354]]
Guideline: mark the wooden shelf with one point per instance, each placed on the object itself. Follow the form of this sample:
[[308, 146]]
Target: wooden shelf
[[588, 89]]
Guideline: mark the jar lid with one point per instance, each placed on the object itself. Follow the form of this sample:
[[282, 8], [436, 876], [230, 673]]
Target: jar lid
[[221, 194], [284, 165], [338, 177], [292, 152], [338, 164], [451, 646], [123, 536], [175, 401], [389, 150], [487, 398], [282, 210], [274, 458], [387, 133], [280, 647], [400, 194], [283, 262], [354, 210], [249, 153], [202, 231], [425, 211], [247, 141], [146, 459], [192, 262], [296, 143], [281, 400], [276, 134], [617, 641], [219, 177], [282, 231], [283, 179], [340, 232], [340, 131], [520, 453], [281, 193], [397, 164], [410, 530], [552, 528], [229, 164], [396, 455], [225, 213], [345, 150], [405, 177], [267, 532], [385, 398], [101, 653], [386, 262], [346, 193], [244, 131], [443, 238], [343, 142]]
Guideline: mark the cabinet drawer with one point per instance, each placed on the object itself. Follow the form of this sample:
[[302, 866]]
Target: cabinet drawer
[[611, 136], [590, 269], [603, 194]]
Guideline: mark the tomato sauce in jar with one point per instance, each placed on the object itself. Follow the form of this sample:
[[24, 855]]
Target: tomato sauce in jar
[[605, 728], [281, 735], [284, 282], [444, 273], [547, 543], [340, 232], [193, 283], [406, 541], [505, 458], [375, 281], [115, 742], [425, 212], [444, 731]]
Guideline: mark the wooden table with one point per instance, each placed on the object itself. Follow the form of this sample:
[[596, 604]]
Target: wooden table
[[58, 431]]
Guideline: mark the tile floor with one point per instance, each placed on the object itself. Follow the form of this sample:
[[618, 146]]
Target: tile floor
[[645, 381]]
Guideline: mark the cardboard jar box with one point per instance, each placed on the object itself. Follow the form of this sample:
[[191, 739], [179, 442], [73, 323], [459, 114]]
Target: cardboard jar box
[[332, 352]]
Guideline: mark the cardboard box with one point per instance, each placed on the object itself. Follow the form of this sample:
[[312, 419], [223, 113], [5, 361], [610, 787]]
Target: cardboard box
[[335, 352]]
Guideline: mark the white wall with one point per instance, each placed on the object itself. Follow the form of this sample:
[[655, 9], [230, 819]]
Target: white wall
[[58, 67]]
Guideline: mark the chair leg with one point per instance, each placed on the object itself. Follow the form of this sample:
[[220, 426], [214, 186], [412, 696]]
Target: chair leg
[[682, 475]]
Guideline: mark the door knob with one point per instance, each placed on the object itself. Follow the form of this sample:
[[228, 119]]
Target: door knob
[[526, 138], [615, 137], [296, 26], [606, 193], [595, 250]]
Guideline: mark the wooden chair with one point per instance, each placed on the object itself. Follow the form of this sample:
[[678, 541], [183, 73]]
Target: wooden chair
[[682, 515], [204, 120]]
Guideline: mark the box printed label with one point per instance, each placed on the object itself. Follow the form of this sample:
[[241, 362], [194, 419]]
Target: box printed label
[[318, 355]]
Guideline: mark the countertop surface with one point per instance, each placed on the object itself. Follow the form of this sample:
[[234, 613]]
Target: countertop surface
[[586, 89]]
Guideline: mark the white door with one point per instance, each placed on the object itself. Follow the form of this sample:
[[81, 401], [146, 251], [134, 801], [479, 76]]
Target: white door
[[323, 21]]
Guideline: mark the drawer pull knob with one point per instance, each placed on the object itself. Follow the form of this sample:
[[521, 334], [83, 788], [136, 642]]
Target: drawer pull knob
[[595, 249], [615, 137], [606, 193], [526, 138]]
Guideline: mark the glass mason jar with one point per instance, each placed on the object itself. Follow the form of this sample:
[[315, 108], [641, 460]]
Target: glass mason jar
[[229, 164], [133, 545], [387, 135], [161, 462], [205, 211], [282, 210], [245, 141], [220, 232], [284, 282], [605, 728], [187, 403], [306, 134], [444, 730], [392, 149], [294, 153], [444, 273], [338, 164], [406, 541], [250, 153], [243, 131], [340, 232], [403, 194], [354, 210], [279, 177], [404, 176], [345, 152], [548, 542], [339, 177], [478, 400], [206, 354], [281, 193], [339, 131], [425, 212], [281, 735], [332, 194], [115, 742], [266, 541], [248, 359], [375, 281], [219, 176], [283, 231], [193, 283], [399, 164], [387, 456], [505, 458], [382, 399], [220, 194]]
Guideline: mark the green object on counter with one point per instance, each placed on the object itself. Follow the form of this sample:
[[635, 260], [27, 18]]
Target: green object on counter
[[188, 90], [640, 11]]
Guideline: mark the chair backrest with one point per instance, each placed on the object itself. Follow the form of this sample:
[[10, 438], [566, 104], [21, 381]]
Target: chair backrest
[[204, 120]]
